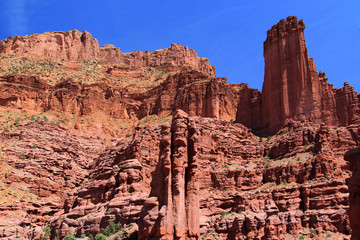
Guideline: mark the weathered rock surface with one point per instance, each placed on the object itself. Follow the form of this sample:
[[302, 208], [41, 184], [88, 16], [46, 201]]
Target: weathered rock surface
[[191, 91], [46, 162], [76, 46], [203, 177], [200, 176], [293, 89], [353, 157]]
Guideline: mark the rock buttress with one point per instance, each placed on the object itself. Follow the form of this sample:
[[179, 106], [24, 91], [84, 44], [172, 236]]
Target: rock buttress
[[175, 212]]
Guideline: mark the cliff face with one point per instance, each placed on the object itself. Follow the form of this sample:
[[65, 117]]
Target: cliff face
[[192, 91], [165, 158], [71, 45], [76, 46], [293, 89], [207, 178]]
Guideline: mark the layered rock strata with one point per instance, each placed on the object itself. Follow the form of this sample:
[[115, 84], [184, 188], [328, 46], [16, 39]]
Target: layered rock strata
[[43, 162], [76, 46], [293, 89], [201, 177]]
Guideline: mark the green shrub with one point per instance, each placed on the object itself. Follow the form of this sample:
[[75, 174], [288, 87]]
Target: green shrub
[[69, 236], [47, 233], [101, 236], [112, 228]]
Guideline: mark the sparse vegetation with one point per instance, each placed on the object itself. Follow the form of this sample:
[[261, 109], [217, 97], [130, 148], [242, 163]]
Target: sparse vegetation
[[47, 234], [154, 120], [209, 235], [69, 236], [88, 71], [224, 214]]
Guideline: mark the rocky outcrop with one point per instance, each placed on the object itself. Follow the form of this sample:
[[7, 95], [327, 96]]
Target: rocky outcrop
[[290, 76], [347, 105], [71, 45], [202, 177], [353, 157], [192, 91], [76, 46], [46, 161], [293, 89]]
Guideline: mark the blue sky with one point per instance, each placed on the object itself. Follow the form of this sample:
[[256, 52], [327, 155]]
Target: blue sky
[[229, 33]]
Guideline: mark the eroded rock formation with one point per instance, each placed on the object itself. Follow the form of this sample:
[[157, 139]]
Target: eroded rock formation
[[202, 176], [293, 89], [43, 162], [76, 46], [353, 157], [199, 174]]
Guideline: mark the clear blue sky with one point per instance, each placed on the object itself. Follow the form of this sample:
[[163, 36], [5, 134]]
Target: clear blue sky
[[229, 33]]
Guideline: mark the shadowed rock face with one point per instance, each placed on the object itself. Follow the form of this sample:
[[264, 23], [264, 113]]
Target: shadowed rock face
[[353, 157]]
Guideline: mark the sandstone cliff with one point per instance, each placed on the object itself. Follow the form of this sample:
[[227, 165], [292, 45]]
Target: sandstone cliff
[[76, 46], [91, 136], [201, 177], [293, 89]]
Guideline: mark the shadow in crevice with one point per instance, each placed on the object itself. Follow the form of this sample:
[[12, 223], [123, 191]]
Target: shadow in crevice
[[159, 189]]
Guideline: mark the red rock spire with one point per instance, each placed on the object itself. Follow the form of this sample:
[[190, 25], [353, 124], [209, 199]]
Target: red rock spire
[[291, 89]]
